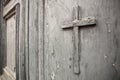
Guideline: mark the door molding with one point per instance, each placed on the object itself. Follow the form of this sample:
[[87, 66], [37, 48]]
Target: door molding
[[17, 40], [15, 10], [40, 40], [11, 5]]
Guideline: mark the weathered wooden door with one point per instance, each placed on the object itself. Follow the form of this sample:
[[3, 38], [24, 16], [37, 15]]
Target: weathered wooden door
[[82, 52]]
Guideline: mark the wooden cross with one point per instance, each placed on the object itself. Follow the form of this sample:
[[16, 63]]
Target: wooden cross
[[90, 21]]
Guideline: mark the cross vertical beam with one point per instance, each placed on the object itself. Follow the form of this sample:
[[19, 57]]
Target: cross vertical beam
[[76, 55], [77, 22]]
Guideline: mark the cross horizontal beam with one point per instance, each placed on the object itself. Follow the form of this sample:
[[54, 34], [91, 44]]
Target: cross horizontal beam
[[89, 21]]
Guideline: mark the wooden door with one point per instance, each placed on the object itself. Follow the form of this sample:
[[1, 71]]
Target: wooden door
[[99, 44], [51, 50]]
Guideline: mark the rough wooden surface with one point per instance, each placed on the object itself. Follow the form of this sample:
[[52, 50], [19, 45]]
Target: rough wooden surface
[[6, 11], [11, 43], [99, 45], [47, 50], [22, 27], [58, 43], [33, 40]]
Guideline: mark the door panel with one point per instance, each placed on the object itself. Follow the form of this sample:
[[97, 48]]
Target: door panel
[[10, 57], [99, 48], [11, 40], [58, 42], [99, 43], [10, 29]]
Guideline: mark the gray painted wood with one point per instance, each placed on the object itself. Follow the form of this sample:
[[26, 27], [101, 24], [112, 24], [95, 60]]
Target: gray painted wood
[[9, 28], [6, 10], [41, 15], [99, 48], [0, 37], [11, 44], [17, 40], [33, 39], [50, 49], [99, 45], [27, 40], [58, 43], [75, 24], [22, 27]]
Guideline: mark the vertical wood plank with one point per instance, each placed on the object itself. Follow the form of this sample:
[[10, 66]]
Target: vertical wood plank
[[22, 40], [76, 55], [41, 20], [33, 40], [27, 40], [17, 40]]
